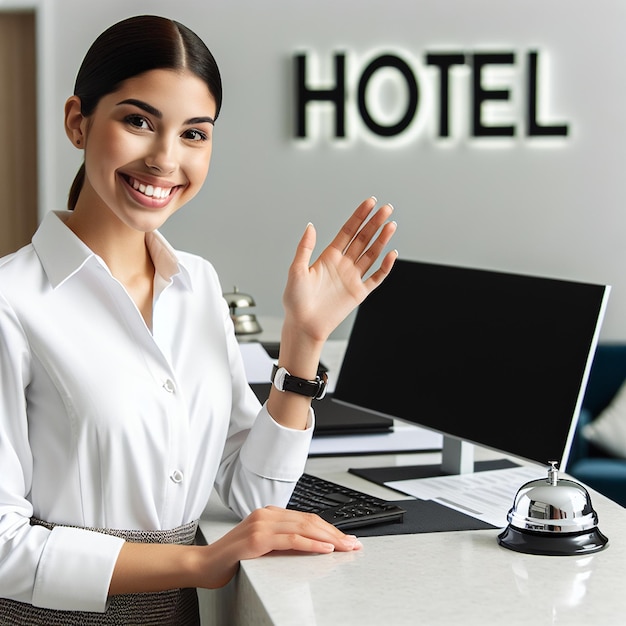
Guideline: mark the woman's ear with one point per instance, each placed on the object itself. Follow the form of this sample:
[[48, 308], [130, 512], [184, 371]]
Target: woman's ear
[[74, 121]]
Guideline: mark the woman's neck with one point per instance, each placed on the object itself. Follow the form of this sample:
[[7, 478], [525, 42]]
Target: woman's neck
[[122, 248]]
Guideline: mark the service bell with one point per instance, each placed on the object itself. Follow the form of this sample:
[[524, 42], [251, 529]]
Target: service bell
[[245, 323], [552, 516]]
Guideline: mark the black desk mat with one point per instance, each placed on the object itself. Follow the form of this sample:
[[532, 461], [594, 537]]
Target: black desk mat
[[382, 475], [422, 516]]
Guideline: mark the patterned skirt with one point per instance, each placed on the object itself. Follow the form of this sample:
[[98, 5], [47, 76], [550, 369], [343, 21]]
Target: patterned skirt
[[176, 607]]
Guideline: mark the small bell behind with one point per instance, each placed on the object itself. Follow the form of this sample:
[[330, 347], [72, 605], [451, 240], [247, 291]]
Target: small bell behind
[[553, 517], [245, 323]]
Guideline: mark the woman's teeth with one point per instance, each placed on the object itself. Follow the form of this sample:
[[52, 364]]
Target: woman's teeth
[[150, 190]]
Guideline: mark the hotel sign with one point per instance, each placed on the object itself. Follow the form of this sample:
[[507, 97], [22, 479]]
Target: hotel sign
[[350, 95]]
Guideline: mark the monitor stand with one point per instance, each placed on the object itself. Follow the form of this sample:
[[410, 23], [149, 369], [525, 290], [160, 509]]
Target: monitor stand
[[457, 457]]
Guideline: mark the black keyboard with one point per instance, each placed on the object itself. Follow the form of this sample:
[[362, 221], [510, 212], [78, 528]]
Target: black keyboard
[[342, 507]]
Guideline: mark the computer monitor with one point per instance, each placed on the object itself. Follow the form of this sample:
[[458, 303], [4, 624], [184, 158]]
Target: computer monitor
[[484, 357]]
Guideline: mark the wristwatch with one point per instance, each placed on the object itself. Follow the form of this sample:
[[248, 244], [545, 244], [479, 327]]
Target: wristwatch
[[284, 381]]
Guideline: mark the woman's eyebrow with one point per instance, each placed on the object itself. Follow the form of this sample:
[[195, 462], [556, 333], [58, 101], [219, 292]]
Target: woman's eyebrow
[[200, 120], [153, 111], [143, 105]]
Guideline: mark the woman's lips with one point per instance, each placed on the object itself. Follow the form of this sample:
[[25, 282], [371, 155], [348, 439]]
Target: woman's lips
[[151, 191], [149, 194]]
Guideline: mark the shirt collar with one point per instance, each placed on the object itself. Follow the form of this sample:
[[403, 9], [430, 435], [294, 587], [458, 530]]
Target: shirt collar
[[62, 253], [166, 261]]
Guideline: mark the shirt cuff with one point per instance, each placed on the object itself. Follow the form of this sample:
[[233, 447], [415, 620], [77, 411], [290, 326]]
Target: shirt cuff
[[75, 570], [274, 451]]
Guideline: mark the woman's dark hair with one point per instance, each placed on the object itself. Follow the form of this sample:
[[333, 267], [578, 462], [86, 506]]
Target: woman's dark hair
[[134, 46]]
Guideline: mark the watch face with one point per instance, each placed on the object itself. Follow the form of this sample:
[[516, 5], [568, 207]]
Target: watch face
[[279, 378]]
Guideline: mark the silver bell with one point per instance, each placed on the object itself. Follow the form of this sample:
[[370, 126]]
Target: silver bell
[[245, 323], [554, 517]]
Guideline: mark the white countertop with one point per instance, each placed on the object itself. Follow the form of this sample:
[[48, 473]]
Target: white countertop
[[435, 579], [430, 579]]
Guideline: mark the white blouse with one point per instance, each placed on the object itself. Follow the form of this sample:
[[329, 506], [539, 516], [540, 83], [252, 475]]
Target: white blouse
[[106, 424]]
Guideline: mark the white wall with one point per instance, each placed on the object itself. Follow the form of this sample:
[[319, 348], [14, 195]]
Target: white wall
[[555, 208]]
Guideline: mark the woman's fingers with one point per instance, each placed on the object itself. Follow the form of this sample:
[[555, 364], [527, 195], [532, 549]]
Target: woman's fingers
[[311, 531], [305, 247], [300, 543], [273, 528], [382, 272], [366, 236], [308, 526], [368, 256], [358, 231]]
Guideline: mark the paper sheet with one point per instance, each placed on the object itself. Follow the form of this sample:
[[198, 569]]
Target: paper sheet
[[257, 362], [400, 439], [487, 496]]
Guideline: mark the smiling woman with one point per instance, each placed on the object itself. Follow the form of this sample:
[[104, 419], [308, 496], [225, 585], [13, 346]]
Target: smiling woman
[[141, 138], [124, 400], [127, 51]]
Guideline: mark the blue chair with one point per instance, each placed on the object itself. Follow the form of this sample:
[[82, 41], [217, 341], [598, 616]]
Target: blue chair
[[587, 463]]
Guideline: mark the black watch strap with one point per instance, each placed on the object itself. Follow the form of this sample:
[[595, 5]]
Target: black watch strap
[[284, 381]]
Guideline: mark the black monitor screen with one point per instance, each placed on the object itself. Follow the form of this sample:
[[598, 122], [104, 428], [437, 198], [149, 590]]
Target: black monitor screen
[[487, 357]]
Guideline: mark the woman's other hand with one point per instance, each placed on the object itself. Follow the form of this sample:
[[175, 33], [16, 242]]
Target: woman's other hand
[[266, 530]]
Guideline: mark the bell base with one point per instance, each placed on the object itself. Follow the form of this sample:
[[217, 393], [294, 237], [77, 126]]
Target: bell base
[[246, 324], [552, 544]]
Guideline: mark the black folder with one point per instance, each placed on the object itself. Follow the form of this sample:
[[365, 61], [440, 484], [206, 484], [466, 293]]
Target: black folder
[[332, 418]]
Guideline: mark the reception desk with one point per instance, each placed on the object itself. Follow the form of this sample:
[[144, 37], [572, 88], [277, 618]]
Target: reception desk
[[434, 579], [430, 579]]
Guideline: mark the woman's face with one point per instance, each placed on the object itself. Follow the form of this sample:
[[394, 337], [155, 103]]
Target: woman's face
[[148, 147]]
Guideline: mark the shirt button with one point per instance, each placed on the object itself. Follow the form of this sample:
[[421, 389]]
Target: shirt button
[[176, 476], [168, 385]]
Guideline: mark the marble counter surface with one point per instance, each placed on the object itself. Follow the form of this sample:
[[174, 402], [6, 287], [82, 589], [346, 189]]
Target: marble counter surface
[[435, 579]]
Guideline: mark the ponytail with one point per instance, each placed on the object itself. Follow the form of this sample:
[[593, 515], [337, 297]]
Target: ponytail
[[76, 187]]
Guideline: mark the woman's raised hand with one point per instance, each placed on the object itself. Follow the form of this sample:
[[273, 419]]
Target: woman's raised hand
[[319, 296]]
